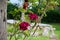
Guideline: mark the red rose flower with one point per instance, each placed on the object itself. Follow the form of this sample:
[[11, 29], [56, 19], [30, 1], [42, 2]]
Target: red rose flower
[[24, 25], [33, 16]]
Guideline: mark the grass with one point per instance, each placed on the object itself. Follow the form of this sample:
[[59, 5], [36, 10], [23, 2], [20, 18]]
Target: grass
[[57, 32]]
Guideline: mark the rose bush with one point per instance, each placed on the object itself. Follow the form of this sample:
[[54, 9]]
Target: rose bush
[[41, 8]]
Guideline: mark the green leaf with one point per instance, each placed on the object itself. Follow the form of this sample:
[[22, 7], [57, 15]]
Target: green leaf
[[32, 1], [51, 8], [27, 18], [16, 24], [27, 33], [45, 14], [10, 29], [23, 10], [34, 4]]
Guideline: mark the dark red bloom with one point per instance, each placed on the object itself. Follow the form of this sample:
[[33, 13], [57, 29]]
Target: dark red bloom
[[24, 25], [25, 5], [33, 16]]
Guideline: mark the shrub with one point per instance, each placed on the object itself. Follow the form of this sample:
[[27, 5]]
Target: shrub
[[52, 16]]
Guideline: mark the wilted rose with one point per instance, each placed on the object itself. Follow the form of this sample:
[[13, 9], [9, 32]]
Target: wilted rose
[[25, 5]]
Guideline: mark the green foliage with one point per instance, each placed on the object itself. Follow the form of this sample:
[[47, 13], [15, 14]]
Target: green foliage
[[26, 32], [10, 29], [22, 10], [58, 1], [33, 1], [43, 6], [13, 12], [52, 16]]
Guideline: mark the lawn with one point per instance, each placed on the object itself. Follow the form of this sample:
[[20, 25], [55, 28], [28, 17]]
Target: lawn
[[57, 32]]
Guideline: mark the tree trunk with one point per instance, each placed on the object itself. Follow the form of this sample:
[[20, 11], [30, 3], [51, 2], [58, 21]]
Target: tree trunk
[[3, 18]]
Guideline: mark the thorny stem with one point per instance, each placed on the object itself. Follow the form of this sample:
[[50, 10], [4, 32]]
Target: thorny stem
[[35, 30], [15, 32], [11, 36], [34, 25]]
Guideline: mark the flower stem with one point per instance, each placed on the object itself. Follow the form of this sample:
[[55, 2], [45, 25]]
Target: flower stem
[[34, 25], [15, 37], [24, 37], [10, 37], [35, 30]]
